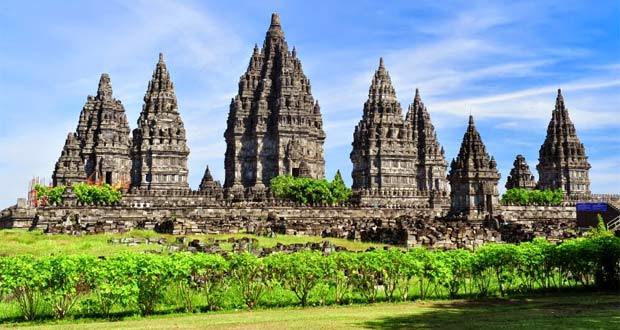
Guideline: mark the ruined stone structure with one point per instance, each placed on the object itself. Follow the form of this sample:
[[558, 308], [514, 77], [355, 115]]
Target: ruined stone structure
[[159, 150], [520, 175], [431, 159], [207, 184], [562, 161], [384, 153], [99, 151], [70, 166], [473, 178], [274, 125]]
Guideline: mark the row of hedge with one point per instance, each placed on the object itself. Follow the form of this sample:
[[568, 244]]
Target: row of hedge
[[308, 190], [139, 281], [84, 193], [520, 196]]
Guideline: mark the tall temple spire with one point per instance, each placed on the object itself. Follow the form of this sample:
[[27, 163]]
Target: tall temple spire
[[381, 91], [431, 160], [275, 29], [104, 92], [473, 177], [383, 154], [101, 142], [159, 148], [273, 123], [562, 161]]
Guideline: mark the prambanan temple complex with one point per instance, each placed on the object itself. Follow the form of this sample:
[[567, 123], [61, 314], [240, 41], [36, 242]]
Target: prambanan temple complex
[[404, 189]]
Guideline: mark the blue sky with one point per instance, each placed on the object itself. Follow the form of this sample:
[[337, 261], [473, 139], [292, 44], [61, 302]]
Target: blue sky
[[502, 62]]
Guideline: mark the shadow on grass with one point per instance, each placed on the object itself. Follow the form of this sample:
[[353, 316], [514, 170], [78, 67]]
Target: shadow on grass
[[571, 312]]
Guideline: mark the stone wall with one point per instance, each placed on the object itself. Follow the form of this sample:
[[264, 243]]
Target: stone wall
[[185, 213]]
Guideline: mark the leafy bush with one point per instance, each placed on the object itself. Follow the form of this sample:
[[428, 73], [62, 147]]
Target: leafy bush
[[89, 194], [518, 196], [306, 190], [49, 195], [143, 280]]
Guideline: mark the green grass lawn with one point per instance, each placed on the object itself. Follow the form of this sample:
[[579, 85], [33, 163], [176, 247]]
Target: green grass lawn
[[561, 311], [20, 242]]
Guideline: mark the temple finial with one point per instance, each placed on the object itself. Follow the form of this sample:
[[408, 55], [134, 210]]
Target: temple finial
[[275, 19], [417, 94], [161, 57], [104, 91], [381, 64], [559, 101], [471, 120]]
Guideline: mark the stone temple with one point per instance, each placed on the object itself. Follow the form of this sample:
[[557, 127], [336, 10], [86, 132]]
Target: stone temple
[[402, 189], [473, 177], [562, 161], [395, 159], [99, 150], [274, 125], [159, 150], [520, 175]]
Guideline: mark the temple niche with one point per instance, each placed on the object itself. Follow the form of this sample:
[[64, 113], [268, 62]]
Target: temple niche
[[99, 150], [562, 161], [274, 125], [473, 178], [520, 175], [159, 151]]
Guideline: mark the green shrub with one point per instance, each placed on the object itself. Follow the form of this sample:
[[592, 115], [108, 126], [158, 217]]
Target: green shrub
[[89, 194], [143, 280], [49, 195], [518, 196], [306, 190]]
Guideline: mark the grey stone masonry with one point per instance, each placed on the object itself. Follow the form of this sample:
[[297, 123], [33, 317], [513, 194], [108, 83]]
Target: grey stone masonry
[[274, 125], [104, 144], [159, 151], [384, 152], [473, 178], [207, 184], [520, 175], [70, 166], [562, 161], [431, 159]]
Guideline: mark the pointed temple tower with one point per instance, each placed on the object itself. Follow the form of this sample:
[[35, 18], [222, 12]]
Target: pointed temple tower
[[431, 158], [520, 175], [102, 140], [473, 177], [159, 150], [384, 154], [274, 125], [208, 184], [562, 161], [69, 167]]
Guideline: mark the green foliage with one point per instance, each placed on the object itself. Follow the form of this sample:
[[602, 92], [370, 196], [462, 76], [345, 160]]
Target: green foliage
[[306, 190], [49, 195], [601, 229], [113, 284], [89, 194], [26, 279], [251, 275], [518, 196], [144, 280], [69, 279], [196, 274], [299, 272]]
